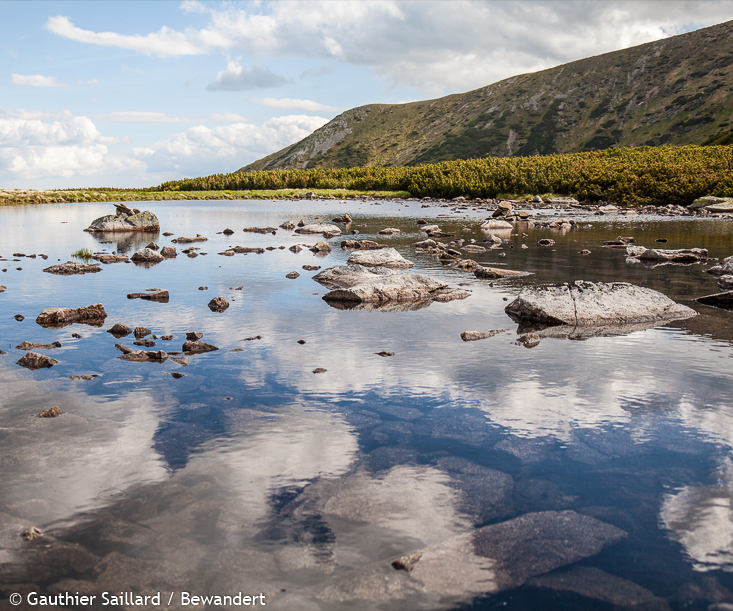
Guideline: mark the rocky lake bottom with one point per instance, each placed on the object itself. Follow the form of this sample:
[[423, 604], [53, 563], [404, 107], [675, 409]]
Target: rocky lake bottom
[[332, 455]]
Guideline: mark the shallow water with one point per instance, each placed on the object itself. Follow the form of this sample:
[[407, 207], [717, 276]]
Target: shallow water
[[252, 474]]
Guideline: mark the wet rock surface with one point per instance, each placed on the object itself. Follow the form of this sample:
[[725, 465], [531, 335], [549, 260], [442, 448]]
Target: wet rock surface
[[33, 361], [683, 255], [197, 347], [494, 273], [594, 304], [125, 220], [218, 304], [147, 255], [321, 228], [472, 336]]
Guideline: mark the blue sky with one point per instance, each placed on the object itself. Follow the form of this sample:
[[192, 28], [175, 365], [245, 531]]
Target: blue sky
[[131, 94]]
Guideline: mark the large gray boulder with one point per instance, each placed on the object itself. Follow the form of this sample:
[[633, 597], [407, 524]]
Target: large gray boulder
[[594, 304], [355, 284], [385, 257], [147, 255], [319, 228], [142, 221]]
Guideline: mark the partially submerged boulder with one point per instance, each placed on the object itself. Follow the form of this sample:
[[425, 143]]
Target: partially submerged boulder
[[33, 360], [385, 257], [93, 315], [35, 346], [723, 268], [362, 245], [407, 287], [147, 255], [496, 224], [197, 347], [594, 304], [72, 267], [119, 330], [472, 336], [185, 240], [122, 221], [682, 255], [218, 304], [162, 295], [344, 276]]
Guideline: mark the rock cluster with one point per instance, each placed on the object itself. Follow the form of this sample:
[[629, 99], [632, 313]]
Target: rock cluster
[[125, 220]]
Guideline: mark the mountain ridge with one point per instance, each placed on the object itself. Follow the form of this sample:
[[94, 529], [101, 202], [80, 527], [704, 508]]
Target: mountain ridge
[[677, 91]]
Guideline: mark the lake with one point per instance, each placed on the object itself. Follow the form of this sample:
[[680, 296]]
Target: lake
[[597, 469]]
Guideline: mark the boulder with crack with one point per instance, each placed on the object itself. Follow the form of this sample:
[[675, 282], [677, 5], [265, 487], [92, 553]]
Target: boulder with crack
[[385, 257], [589, 304], [93, 315]]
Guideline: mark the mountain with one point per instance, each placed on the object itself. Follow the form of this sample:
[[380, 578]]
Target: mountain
[[674, 91]]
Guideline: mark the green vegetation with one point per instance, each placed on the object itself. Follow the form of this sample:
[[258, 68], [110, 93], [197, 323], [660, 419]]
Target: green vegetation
[[83, 253], [636, 176]]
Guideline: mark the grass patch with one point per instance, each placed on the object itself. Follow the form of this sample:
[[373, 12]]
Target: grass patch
[[83, 253]]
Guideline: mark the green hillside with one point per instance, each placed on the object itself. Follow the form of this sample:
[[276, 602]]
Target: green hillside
[[675, 91]]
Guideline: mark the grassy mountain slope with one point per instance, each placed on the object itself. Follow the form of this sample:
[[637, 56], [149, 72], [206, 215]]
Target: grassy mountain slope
[[674, 91]]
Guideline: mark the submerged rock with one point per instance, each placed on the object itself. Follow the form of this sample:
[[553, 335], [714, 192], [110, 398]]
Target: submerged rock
[[386, 257], [34, 346], [161, 295], [197, 347], [594, 304], [107, 259], [119, 330], [683, 255], [362, 244], [60, 317], [142, 221], [343, 276], [71, 267], [185, 240], [506, 555], [292, 275], [169, 252], [33, 361], [529, 340], [322, 247]]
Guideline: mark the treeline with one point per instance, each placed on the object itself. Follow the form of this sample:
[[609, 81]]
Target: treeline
[[638, 176]]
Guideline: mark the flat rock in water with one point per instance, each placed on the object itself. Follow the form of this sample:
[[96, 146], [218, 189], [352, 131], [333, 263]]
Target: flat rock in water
[[496, 224], [720, 208], [60, 317], [362, 245], [33, 360], [723, 268], [169, 252], [472, 336], [389, 231], [719, 300], [3, 288], [197, 347], [142, 221], [319, 228], [107, 259], [683, 255], [71, 267], [474, 248], [726, 282], [34, 346], [162, 296], [386, 257], [396, 288], [495, 273], [145, 356], [710, 200], [185, 240], [147, 255], [594, 304], [344, 276], [506, 555]]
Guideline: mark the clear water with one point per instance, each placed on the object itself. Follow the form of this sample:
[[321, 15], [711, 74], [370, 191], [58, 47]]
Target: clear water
[[254, 474]]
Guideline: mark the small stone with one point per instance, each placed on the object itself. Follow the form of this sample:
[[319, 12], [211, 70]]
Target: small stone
[[177, 375], [584, 252], [384, 353], [249, 339], [76, 336], [50, 413], [87, 377], [529, 340], [228, 231], [141, 332], [472, 336], [19, 317], [319, 370], [119, 330], [292, 275], [311, 268], [301, 341], [295, 248], [147, 343], [29, 534], [546, 242], [203, 288], [193, 336], [33, 361], [198, 347]]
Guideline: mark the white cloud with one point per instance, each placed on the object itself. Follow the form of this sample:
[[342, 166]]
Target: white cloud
[[163, 43], [202, 150], [41, 145], [428, 46], [236, 78], [136, 116], [228, 117], [294, 103], [36, 80]]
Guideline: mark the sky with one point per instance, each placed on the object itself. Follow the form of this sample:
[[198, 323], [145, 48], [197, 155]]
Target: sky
[[132, 94]]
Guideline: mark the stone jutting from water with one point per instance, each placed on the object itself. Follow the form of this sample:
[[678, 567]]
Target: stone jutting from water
[[125, 220], [33, 360], [147, 255], [92, 315], [683, 255], [71, 267], [594, 304], [723, 268], [319, 228], [385, 257]]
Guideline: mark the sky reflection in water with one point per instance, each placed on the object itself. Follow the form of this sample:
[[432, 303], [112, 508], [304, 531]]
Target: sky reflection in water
[[252, 469]]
